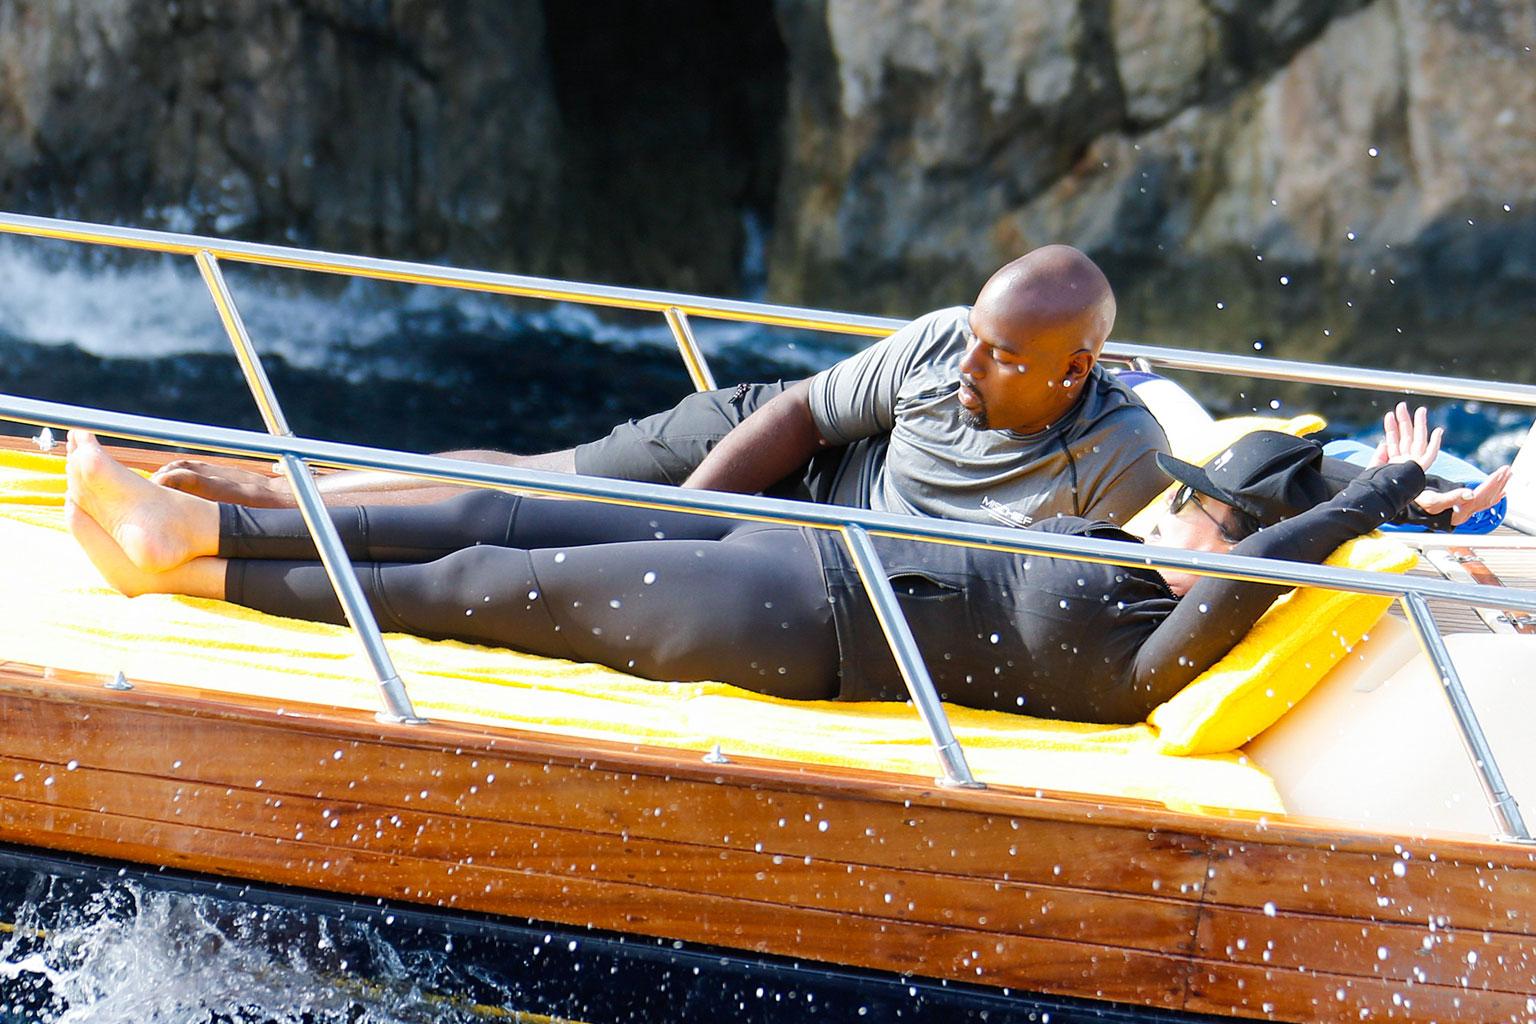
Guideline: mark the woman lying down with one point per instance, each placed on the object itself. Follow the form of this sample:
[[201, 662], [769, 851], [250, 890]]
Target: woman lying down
[[772, 608]]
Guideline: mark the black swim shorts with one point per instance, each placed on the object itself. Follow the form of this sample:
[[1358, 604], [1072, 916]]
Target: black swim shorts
[[668, 446]]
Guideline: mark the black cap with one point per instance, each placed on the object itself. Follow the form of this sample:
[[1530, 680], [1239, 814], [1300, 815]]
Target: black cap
[[1267, 474]]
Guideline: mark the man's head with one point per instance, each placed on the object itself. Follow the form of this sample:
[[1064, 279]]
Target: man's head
[[1035, 333]]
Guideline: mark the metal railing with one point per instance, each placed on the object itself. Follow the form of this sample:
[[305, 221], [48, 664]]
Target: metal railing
[[855, 526], [333, 555], [401, 271]]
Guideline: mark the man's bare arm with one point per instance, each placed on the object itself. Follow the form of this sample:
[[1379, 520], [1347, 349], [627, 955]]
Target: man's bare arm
[[764, 448], [349, 487]]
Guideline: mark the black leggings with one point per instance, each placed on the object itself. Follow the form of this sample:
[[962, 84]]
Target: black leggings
[[665, 595]]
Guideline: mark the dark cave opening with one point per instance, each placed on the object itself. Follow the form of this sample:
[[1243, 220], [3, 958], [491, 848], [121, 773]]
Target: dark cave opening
[[672, 126]]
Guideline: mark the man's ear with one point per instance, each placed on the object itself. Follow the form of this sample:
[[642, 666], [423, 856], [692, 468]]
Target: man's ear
[[1079, 365]]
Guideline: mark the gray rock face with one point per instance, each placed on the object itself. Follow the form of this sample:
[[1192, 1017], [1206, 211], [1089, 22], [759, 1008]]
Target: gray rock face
[[1320, 170], [1379, 155], [951, 118], [360, 125], [541, 138]]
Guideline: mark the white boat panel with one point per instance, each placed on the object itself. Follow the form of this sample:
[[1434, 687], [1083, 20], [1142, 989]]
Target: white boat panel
[[1375, 744]]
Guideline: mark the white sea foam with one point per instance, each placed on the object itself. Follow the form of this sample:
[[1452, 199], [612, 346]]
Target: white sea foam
[[151, 306], [134, 955], [158, 306]]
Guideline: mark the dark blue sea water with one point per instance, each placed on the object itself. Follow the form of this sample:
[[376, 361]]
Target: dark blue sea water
[[86, 942], [427, 369]]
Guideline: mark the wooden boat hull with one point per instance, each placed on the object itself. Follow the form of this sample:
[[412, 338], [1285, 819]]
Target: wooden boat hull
[[1111, 901], [1052, 893]]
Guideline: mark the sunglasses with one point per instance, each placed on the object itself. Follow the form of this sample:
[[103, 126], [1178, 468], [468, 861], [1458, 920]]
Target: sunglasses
[[1244, 524]]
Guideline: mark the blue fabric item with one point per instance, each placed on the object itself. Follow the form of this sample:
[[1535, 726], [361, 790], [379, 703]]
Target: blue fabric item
[[1131, 378], [1446, 465]]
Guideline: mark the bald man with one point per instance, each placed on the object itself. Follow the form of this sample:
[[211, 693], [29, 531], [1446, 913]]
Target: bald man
[[996, 412], [993, 413]]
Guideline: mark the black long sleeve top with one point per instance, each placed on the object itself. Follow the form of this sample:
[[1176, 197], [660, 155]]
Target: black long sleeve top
[[1062, 638]]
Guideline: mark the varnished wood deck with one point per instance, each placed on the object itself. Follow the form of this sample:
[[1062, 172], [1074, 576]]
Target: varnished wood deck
[[1503, 559], [1055, 893]]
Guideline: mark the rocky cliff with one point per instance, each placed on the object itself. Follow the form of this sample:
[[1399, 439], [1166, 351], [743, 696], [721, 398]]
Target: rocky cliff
[[1292, 172], [547, 138], [353, 124]]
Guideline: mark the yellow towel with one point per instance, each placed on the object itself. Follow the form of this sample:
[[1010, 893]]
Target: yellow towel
[[57, 611]]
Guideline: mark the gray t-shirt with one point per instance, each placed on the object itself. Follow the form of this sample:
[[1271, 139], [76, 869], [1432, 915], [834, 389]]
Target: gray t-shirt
[[909, 451]]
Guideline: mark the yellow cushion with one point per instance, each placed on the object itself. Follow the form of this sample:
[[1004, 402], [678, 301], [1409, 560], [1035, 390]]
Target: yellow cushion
[[1294, 644], [1214, 439], [58, 612]]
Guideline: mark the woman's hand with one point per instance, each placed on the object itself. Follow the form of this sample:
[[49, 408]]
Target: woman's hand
[[1409, 439], [1465, 502]]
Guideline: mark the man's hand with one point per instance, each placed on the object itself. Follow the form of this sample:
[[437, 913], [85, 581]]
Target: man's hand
[[1408, 438], [228, 484]]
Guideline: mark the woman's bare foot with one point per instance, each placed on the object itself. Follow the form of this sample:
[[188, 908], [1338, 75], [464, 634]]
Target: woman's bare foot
[[157, 529], [201, 577], [225, 483]]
